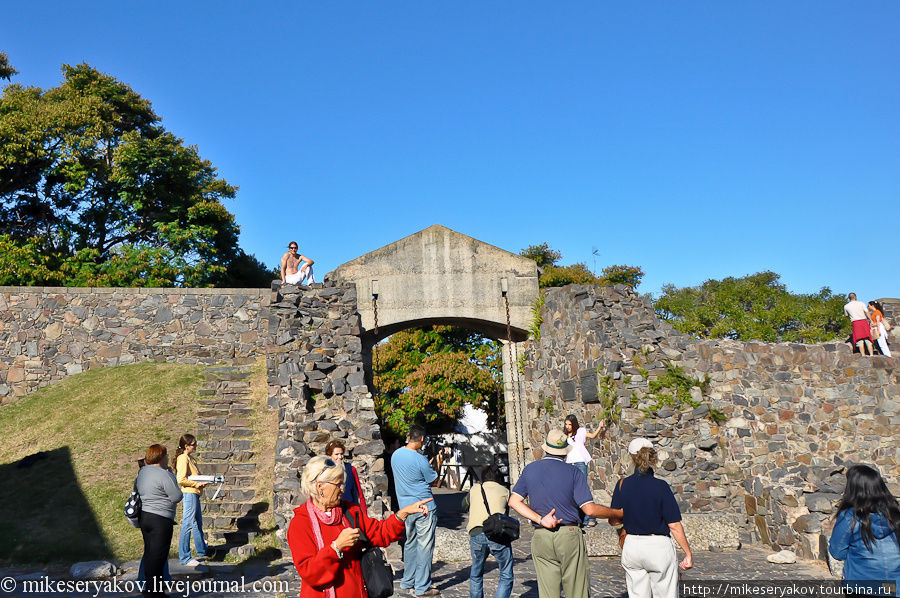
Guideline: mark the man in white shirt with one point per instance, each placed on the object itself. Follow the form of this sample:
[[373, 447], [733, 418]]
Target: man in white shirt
[[859, 319]]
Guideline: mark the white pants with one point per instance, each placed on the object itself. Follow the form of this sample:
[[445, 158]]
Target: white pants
[[882, 340], [300, 276], [651, 569]]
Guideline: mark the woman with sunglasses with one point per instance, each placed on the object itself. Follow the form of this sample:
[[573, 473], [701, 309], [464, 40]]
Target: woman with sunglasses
[[324, 534], [192, 519]]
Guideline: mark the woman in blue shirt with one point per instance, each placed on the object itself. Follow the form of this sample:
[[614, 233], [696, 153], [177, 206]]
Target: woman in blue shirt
[[866, 532]]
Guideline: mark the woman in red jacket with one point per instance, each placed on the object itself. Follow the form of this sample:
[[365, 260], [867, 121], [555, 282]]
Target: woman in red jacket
[[324, 538]]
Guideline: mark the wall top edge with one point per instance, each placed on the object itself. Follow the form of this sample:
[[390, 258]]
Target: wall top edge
[[133, 291]]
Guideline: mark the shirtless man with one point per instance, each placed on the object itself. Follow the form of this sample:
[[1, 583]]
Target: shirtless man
[[290, 261]]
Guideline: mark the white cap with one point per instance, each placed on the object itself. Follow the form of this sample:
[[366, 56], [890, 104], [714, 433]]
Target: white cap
[[637, 444]]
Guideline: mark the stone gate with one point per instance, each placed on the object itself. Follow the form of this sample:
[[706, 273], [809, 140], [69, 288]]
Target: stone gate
[[770, 430]]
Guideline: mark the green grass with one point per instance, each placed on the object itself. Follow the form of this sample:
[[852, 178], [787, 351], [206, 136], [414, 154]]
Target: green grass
[[94, 427]]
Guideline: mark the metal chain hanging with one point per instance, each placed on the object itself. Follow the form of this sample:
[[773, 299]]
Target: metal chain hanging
[[375, 344], [514, 383]]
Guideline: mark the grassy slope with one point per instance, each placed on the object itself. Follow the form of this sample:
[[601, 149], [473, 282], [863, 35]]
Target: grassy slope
[[68, 507]]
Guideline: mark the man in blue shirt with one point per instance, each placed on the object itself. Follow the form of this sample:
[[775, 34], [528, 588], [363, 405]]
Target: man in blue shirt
[[413, 477], [556, 491]]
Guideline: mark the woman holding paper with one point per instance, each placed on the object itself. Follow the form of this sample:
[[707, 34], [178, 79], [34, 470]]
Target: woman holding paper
[[192, 520]]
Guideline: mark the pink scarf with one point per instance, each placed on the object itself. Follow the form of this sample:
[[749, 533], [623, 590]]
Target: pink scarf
[[315, 516]]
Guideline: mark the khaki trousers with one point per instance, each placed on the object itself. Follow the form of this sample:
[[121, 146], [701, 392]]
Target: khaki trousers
[[651, 567], [560, 559]]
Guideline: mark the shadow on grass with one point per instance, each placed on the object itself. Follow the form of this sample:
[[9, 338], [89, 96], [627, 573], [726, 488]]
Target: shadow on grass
[[44, 516]]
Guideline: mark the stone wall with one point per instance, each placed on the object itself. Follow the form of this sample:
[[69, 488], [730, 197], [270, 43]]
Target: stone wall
[[49, 333], [755, 429], [317, 382]]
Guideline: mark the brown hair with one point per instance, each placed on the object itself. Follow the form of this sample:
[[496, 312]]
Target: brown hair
[[183, 442], [645, 459], [572, 420], [155, 454], [329, 448]]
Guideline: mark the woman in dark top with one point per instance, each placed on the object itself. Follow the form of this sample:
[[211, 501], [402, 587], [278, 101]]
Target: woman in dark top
[[866, 532], [352, 488], [651, 516]]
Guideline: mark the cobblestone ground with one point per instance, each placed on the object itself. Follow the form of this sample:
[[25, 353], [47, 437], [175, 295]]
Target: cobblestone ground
[[452, 579], [278, 578]]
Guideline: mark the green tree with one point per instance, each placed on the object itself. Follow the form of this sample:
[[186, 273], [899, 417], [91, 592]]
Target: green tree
[[6, 69], [542, 254], [554, 275], [628, 275], [754, 307], [90, 178], [426, 376]]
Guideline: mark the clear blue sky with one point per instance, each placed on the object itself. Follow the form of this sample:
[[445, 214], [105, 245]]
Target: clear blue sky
[[695, 139]]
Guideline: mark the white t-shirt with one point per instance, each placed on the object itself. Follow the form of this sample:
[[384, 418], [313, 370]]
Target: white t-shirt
[[856, 310], [579, 453]]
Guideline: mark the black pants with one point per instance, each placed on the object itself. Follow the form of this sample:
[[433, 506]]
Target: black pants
[[157, 531]]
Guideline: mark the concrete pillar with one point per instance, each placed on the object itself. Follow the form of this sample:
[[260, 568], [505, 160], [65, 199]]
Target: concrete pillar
[[516, 410]]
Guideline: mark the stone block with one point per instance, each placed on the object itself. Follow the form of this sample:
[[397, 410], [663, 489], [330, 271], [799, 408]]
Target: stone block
[[821, 502], [567, 390], [589, 387]]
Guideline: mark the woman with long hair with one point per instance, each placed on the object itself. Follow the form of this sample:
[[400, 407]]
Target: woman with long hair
[[579, 456], [192, 519], [876, 313], [866, 532]]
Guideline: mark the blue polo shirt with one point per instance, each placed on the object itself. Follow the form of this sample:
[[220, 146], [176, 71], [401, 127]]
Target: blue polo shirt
[[648, 503], [551, 483]]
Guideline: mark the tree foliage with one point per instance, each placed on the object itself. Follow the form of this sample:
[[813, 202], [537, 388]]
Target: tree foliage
[[426, 376], [630, 276], [6, 69], [554, 275], [91, 180], [754, 307]]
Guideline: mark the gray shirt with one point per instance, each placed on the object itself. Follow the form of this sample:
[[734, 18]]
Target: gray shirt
[[159, 491]]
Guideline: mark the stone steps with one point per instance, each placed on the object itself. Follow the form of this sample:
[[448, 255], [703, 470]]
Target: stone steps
[[224, 425]]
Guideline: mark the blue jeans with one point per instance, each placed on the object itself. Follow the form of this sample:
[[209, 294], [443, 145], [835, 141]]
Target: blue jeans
[[480, 546], [418, 551], [586, 519], [191, 522]]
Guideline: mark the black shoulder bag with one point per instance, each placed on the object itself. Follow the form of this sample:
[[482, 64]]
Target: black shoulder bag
[[133, 507], [377, 573], [498, 527]]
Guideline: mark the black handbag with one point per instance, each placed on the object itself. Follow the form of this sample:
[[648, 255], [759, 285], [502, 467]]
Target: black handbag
[[133, 507], [499, 528], [377, 573]]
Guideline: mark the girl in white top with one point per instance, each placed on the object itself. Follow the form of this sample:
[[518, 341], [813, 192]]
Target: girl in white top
[[579, 455]]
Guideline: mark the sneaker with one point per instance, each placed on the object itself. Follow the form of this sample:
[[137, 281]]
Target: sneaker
[[192, 563], [431, 592]]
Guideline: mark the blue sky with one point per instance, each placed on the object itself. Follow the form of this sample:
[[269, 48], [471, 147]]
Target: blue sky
[[694, 139]]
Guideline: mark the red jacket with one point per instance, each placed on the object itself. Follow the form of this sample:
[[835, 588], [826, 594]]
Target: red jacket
[[318, 568]]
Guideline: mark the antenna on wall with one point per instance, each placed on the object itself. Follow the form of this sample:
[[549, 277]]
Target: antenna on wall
[[595, 252]]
